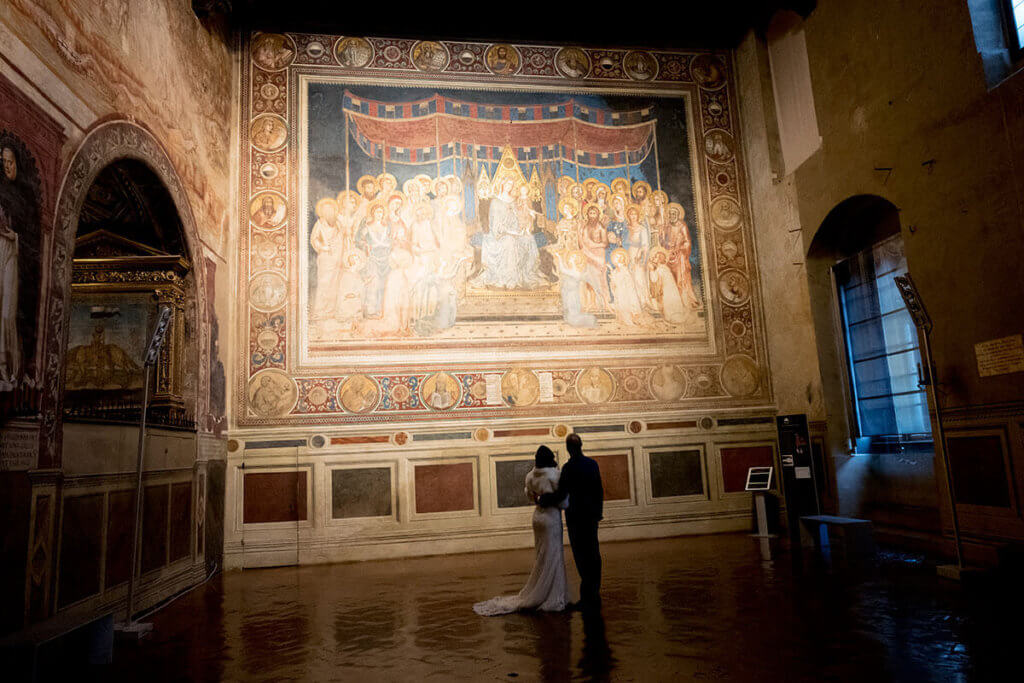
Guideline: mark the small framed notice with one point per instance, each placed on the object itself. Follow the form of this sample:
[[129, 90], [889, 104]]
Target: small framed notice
[[1000, 356], [759, 479]]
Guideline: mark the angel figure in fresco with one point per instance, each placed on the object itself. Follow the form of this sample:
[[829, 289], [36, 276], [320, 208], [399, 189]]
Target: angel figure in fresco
[[572, 268], [348, 218], [677, 242], [664, 290], [351, 289], [375, 239], [400, 235], [396, 314], [326, 240], [266, 400], [637, 243], [10, 350], [426, 246], [626, 303], [455, 247]]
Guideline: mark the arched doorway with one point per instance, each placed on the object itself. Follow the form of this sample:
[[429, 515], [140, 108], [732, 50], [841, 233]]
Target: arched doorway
[[124, 242], [879, 433]]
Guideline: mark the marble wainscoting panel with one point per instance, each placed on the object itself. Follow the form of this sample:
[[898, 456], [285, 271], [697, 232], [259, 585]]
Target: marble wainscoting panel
[[677, 473], [81, 538], [736, 460], [389, 492], [445, 487], [275, 497], [510, 481], [361, 492]]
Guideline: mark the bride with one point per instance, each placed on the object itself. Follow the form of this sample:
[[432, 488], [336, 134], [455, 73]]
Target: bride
[[546, 589]]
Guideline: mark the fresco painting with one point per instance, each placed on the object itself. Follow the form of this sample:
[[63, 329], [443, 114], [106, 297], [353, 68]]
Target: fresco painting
[[439, 216]]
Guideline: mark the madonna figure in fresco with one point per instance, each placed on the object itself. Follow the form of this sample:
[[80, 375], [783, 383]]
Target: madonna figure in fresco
[[546, 590], [509, 251]]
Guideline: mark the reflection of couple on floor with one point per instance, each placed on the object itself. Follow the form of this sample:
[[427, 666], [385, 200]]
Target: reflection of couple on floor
[[577, 489]]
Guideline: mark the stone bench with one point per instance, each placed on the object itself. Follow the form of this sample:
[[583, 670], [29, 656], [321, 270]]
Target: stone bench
[[852, 537]]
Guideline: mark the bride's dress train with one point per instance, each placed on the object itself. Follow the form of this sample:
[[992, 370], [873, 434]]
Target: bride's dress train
[[546, 589]]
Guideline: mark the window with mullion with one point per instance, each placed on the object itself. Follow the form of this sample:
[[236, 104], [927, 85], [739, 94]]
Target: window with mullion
[[881, 345]]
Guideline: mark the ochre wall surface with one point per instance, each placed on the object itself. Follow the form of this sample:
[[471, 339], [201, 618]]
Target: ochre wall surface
[[904, 114], [147, 81]]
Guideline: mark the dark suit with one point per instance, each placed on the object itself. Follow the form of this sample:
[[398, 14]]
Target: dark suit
[[581, 481]]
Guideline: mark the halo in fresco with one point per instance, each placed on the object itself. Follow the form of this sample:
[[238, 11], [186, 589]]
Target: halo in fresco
[[667, 383], [429, 55], [595, 385], [272, 393], [708, 71], [503, 59], [726, 214], [740, 376], [640, 66], [273, 51], [440, 391], [353, 52], [520, 387], [358, 394], [268, 133], [573, 62], [267, 210], [267, 292]]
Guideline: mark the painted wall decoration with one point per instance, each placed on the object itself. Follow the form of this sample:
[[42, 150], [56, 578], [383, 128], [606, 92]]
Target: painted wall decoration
[[30, 143], [442, 228]]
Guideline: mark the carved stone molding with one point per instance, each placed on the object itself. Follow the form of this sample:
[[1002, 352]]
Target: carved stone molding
[[106, 143]]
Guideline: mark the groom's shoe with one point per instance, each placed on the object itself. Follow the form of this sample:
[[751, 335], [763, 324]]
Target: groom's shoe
[[574, 606]]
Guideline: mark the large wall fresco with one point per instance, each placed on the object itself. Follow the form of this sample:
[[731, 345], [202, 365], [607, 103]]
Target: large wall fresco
[[442, 228]]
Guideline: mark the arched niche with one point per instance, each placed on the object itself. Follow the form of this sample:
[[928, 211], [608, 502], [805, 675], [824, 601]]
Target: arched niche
[[850, 227], [113, 144]]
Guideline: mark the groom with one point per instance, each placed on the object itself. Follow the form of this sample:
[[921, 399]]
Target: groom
[[581, 481]]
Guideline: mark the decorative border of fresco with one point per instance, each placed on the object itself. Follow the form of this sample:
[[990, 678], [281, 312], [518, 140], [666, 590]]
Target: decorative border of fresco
[[736, 375]]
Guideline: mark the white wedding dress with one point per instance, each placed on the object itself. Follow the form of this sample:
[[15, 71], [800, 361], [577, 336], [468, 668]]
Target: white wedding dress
[[546, 589]]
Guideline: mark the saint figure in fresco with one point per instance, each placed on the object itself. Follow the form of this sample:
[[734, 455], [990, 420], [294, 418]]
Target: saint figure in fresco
[[375, 239], [10, 351], [664, 290], [20, 261], [571, 272], [326, 240]]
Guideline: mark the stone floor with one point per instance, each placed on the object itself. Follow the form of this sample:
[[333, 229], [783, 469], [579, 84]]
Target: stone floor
[[692, 608]]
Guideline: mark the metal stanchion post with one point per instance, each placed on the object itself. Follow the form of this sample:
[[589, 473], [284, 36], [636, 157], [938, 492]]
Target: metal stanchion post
[[130, 626]]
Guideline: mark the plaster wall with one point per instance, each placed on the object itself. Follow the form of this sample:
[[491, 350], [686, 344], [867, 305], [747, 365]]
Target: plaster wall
[[153, 64], [905, 114]]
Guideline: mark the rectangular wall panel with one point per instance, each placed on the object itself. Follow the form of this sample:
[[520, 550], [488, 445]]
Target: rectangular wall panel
[[155, 507], [444, 488], [361, 492], [181, 520], [979, 470], [81, 540], [274, 497], [676, 473], [737, 460], [510, 480], [615, 476], [120, 521]]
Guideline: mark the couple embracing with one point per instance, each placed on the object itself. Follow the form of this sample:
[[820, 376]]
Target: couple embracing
[[577, 490]]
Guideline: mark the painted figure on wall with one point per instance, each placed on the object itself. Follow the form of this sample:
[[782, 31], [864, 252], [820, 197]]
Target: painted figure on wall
[[442, 225], [20, 267]]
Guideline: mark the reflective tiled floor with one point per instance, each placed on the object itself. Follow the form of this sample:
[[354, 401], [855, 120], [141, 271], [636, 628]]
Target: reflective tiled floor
[[693, 608]]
